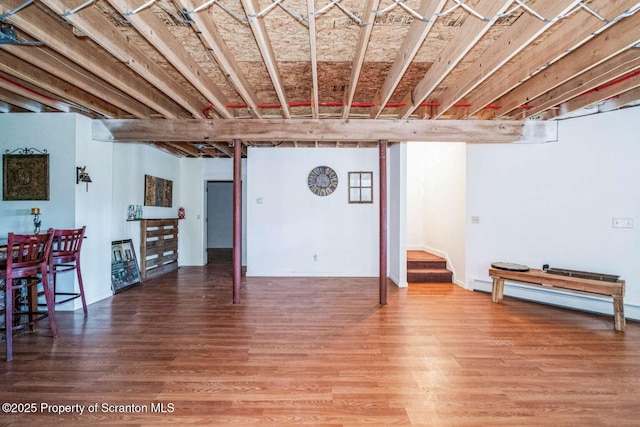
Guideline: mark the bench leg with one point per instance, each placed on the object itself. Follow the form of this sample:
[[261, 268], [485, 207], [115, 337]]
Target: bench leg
[[618, 314], [497, 289]]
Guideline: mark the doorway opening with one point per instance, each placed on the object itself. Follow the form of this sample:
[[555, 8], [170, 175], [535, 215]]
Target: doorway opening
[[219, 222]]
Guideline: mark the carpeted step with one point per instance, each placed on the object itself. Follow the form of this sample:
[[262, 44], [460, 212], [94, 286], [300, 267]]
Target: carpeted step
[[426, 264], [429, 275]]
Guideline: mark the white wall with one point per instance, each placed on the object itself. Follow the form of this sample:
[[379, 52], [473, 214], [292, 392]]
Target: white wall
[[293, 232], [93, 210], [554, 204], [193, 181], [56, 133], [436, 181], [131, 162], [67, 138], [397, 213]]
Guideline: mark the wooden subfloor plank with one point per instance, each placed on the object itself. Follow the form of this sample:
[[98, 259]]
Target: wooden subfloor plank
[[322, 352]]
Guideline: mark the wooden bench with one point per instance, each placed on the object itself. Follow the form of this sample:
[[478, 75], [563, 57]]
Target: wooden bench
[[540, 278]]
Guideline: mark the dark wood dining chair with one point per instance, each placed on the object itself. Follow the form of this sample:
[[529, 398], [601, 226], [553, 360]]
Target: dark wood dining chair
[[65, 256], [25, 268]]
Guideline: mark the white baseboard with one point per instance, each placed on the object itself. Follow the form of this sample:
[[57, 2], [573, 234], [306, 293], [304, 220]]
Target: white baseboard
[[593, 304], [398, 283]]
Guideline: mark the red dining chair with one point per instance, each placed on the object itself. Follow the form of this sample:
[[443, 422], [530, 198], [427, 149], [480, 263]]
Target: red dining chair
[[25, 268], [65, 256]]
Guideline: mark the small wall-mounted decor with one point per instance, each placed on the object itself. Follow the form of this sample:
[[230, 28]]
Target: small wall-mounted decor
[[82, 176], [322, 180], [25, 174], [157, 191], [360, 187], [124, 266]]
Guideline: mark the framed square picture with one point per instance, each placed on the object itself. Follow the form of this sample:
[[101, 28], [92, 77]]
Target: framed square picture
[[124, 266], [158, 191], [25, 177]]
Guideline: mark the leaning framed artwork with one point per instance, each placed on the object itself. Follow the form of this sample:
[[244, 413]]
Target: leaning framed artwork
[[157, 191], [124, 266], [25, 175]]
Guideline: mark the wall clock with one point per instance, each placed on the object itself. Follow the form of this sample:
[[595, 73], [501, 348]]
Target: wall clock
[[322, 180]]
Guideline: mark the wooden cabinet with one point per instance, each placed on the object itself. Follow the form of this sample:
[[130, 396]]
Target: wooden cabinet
[[158, 246]]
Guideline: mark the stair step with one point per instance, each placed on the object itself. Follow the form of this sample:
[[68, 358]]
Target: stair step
[[429, 275], [426, 264]]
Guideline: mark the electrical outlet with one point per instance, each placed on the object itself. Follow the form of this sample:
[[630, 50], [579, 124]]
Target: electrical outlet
[[475, 220], [622, 222]]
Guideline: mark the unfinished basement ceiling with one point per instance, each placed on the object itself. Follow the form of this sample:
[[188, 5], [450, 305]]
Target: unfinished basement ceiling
[[316, 60]]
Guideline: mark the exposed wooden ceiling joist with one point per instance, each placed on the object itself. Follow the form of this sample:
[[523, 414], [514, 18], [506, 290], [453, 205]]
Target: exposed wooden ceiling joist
[[576, 31], [622, 100], [631, 83], [358, 59], [22, 90], [473, 131], [26, 104], [208, 32], [66, 70], [599, 49], [515, 39], [375, 62], [151, 28], [470, 33], [92, 23], [410, 46], [602, 74], [61, 38], [261, 36], [28, 73]]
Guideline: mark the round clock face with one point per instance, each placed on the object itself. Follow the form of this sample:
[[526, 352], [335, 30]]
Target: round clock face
[[322, 180]]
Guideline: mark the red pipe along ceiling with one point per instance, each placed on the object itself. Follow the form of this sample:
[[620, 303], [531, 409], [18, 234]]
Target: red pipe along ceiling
[[29, 89], [402, 104]]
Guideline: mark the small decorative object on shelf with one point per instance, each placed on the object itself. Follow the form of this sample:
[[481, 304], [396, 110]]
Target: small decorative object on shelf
[[131, 212], [138, 211], [180, 213]]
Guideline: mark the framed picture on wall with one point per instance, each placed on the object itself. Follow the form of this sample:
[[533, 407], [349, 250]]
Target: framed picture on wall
[[25, 176], [124, 266], [157, 191]]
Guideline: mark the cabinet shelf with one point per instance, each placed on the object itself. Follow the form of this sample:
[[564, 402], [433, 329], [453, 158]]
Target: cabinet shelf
[[158, 246]]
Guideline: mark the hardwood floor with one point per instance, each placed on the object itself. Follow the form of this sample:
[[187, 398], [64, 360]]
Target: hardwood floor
[[321, 352]]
